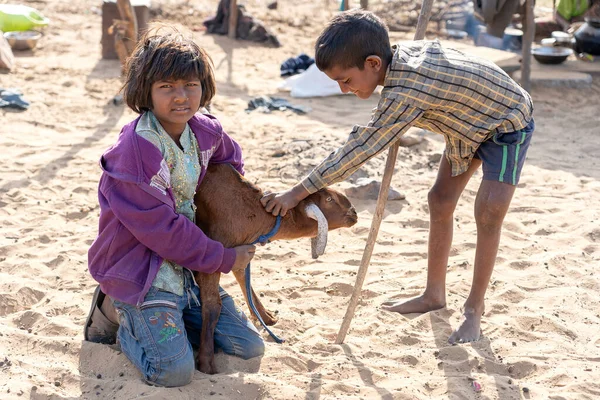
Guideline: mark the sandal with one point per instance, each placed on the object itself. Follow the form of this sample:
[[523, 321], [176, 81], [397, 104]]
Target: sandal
[[98, 328]]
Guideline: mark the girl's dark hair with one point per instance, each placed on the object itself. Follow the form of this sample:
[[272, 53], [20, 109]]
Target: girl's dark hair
[[163, 53], [349, 38]]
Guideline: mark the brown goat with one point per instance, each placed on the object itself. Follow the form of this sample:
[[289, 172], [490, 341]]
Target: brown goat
[[229, 211]]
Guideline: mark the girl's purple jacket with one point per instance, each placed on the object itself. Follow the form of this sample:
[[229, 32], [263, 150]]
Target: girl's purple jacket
[[138, 224]]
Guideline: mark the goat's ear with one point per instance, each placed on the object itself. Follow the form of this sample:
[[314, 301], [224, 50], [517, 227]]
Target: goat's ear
[[319, 242]]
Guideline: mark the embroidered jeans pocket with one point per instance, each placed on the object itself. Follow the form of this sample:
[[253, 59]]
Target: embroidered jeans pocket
[[164, 329]]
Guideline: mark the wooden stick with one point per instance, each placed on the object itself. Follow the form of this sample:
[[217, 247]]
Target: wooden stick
[[424, 16], [126, 31], [233, 19], [528, 36]]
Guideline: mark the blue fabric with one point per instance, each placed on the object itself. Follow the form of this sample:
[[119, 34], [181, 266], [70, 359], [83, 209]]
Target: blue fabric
[[503, 155], [158, 336], [13, 98]]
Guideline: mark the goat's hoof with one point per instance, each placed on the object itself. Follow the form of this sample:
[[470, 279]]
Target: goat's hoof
[[206, 367], [269, 318]]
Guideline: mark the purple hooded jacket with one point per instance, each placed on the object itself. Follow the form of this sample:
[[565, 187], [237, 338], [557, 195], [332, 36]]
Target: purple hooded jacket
[[138, 225]]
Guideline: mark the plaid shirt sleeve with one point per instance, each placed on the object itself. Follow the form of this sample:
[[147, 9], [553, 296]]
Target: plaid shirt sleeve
[[389, 122]]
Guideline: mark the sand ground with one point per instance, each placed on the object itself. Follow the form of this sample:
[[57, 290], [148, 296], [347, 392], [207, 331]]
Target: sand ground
[[541, 327]]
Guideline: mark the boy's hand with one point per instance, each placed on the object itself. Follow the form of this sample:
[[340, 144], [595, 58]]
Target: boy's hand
[[281, 203], [243, 256]]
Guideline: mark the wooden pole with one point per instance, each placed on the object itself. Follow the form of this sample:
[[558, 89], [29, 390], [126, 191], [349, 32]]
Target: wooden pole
[[424, 16], [528, 36], [233, 19], [126, 31]]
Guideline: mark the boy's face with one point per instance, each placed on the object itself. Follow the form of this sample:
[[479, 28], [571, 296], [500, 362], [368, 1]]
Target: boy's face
[[360, 82]]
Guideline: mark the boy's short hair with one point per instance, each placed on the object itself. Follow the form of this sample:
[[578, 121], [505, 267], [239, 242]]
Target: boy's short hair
[[349, 38], [163, 53]]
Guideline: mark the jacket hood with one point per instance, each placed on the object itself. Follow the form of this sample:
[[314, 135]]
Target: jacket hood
[[122, 160]]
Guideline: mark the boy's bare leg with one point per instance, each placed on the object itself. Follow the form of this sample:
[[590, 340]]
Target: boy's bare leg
[[442, 201], [491, 205]]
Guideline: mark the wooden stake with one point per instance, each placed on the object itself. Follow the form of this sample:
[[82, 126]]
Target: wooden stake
[[125, 31], [233, 19], [528, 37], [424, 16]]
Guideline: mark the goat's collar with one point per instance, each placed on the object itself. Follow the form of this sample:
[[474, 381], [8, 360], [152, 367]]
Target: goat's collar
[[264, 239]]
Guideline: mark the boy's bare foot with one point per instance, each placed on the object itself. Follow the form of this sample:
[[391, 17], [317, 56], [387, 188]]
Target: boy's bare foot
[[469, 329], [419, 304]]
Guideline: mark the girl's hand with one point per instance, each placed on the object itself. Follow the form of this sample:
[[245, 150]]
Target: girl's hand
[[281, 203], [243, 256]]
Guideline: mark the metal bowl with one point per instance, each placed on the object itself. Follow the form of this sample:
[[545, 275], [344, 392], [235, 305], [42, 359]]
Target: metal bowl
[[551, 55], [22, 40]]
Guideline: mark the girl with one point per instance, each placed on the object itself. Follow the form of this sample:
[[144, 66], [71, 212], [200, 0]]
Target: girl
[[148, 243]]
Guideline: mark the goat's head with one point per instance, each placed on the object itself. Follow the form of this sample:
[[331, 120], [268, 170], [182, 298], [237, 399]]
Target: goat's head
[[331, 210]]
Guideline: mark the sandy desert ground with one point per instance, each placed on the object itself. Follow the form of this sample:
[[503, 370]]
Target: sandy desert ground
[[541, 330]]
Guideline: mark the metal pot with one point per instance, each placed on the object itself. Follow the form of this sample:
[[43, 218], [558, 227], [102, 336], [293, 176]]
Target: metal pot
[[587, 37], [551, 55]]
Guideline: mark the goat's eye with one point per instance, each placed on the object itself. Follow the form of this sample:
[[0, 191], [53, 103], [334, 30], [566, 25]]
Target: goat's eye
[[329, 198]]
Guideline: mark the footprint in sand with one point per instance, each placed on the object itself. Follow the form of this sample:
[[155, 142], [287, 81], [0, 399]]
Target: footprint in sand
[[344, 289], [512, 296], [520, 264], [11, 303], [521, 369], [594, 235], [29, 319]]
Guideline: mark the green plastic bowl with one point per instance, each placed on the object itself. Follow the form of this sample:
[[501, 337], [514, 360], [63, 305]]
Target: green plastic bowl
[[15, 17]]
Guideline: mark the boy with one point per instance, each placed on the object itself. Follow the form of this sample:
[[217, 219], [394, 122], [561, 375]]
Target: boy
[[485, 117]]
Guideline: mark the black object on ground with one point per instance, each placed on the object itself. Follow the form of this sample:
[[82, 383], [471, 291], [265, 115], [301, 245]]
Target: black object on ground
[[551, 55], [295, 65], [266, 104], [248, 27]]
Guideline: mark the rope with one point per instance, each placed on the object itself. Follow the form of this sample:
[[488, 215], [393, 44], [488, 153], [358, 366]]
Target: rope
[[262, 239]]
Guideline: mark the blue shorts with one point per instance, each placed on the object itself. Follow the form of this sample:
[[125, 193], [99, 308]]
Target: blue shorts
[[503, 155]]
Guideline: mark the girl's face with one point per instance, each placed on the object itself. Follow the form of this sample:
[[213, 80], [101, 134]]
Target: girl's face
[[174, 103]]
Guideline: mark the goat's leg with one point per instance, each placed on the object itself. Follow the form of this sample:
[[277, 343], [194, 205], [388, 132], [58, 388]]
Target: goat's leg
[[267, 316], [211, 309]]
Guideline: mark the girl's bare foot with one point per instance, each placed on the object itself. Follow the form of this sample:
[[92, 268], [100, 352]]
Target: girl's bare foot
[[419, 304], [469, 329]]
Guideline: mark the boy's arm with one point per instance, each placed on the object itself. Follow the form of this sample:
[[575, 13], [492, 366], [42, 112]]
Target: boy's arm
[[389, 122], [387, 125]]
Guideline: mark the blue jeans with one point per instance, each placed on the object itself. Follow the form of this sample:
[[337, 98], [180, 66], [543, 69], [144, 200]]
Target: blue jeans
[[157, 336]]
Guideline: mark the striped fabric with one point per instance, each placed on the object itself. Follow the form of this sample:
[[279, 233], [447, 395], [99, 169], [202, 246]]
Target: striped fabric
[[464, 98]]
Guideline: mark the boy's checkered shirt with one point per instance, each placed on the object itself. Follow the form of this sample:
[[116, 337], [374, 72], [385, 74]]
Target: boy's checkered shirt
[[465, 98]]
